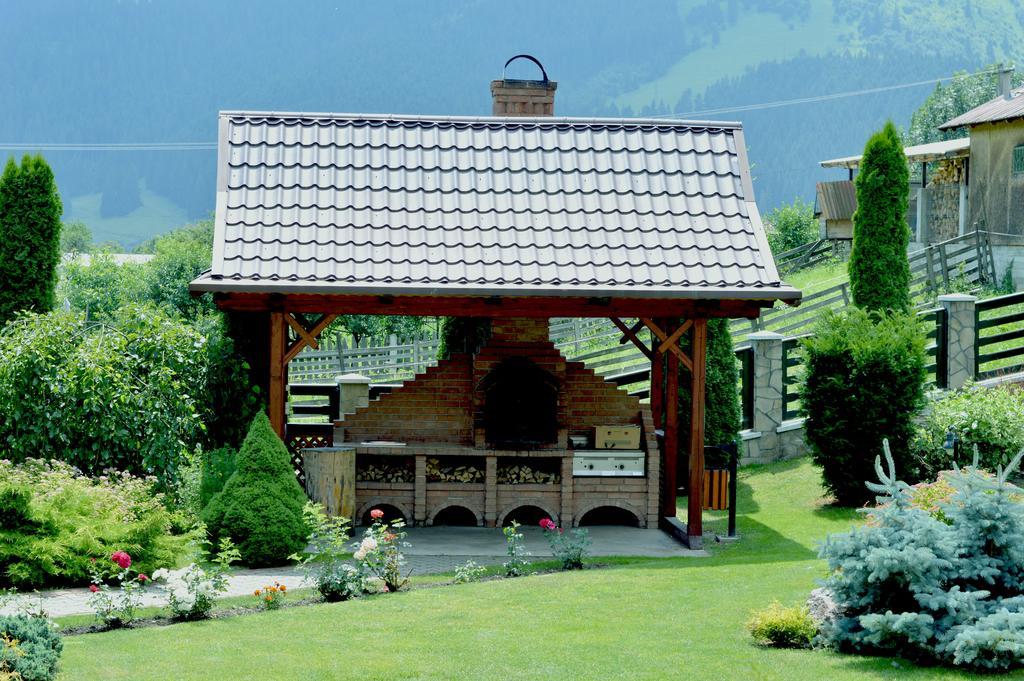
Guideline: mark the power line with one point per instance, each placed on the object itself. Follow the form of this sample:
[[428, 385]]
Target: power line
[[817, 98], [211, 146]]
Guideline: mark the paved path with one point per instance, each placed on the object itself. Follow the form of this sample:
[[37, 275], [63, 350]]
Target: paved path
[[432, 550]]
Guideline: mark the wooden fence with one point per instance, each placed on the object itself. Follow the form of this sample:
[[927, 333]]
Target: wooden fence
[[965, 262], [808, 255]]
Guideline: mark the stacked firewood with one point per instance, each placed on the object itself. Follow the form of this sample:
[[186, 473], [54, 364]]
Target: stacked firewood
[[384, 470], [524, 474], [449, 471]]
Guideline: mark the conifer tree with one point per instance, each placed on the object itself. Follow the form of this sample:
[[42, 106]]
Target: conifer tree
[[30, 210], [879, 269]]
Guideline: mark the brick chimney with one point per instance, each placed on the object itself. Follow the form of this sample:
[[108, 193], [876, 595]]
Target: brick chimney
[[523, 97]]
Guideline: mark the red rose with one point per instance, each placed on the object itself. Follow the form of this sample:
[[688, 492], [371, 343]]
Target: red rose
[[93, 588], [142, 577], [548, 524], [123, 560]]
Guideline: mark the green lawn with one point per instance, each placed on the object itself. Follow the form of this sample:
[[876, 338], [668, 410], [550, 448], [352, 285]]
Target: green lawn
[[652, 619]]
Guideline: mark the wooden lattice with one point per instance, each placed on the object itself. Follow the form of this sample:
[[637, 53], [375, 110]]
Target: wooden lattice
[[303, 436]]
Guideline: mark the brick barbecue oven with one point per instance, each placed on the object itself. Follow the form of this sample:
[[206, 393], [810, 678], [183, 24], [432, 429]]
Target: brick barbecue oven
[[486, 439]]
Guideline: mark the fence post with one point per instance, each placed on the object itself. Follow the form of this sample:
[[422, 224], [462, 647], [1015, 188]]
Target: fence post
[[769, 374], [961, 337]]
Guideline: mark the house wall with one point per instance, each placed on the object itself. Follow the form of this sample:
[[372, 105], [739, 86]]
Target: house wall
[[997, 195]]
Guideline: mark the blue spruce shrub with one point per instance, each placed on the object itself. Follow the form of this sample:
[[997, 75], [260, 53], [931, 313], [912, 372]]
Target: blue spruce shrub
[[38, 648], [951, 592]]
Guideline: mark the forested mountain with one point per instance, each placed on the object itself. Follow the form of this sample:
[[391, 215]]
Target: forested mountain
[[157, 71]]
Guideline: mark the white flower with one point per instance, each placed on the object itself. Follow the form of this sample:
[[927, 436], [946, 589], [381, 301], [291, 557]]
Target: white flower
[[160, 574], [360, 554], [368, 544]]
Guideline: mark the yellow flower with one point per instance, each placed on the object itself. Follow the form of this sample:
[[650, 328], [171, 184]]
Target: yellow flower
[[256, 592], [283, 588], [269, 598]]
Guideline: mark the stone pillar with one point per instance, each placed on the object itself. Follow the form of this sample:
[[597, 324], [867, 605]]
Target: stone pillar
[[768, 404], [960, 338], [354, 392], [567, 500], [420, 491], [490, 491]]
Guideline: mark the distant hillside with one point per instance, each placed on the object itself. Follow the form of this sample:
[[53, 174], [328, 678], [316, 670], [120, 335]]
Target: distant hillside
[[158, 71]]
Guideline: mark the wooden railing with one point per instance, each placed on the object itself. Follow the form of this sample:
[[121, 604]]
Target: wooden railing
[[808, 255], [999, 328]]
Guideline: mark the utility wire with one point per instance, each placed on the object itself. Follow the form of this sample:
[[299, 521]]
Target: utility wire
[[211, 146]]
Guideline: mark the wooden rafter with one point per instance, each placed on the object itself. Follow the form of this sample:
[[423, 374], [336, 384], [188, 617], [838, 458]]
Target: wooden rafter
[[630, 335], [306, 336], [670, 342]]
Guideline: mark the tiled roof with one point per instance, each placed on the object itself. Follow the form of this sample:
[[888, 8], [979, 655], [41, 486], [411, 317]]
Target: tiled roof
[[338, 203], [999, 109]]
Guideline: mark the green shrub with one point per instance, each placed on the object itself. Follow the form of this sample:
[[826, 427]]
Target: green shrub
[[990, 418], [37, 651], [216, 467], [260, 507], [879, 269], [910, 584], [782, 627], [722, 397], [54, 521], [462, 334], [120, 394], [791, 226], [864, 383], [103, 286]]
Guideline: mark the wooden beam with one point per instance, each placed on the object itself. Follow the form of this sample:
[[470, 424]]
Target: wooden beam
[[672, 346], [635, 329], [306, 336], [657, 388], [278, 380], [694, 509], [671, 462], [465, 306], [674, 338], [630, 334]]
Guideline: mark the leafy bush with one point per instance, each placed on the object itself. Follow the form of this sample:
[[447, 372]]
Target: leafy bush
[[380, 551], [568, 548], [470, 571], [791, 226], [37, 649], [103, 395], [462, 334], [864, 383], [990, 418], [101, 287], [782, 627], [191, 590], [910, 584], [260, 507], [54, 521], [879, 269], [516, 564]]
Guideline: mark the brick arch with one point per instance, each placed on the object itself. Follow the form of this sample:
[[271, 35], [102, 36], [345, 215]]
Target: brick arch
[[625, 506], [519, 503], [442, 506], [383, 501]]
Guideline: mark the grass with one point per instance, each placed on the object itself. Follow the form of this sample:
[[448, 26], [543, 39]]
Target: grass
[[640, 619]]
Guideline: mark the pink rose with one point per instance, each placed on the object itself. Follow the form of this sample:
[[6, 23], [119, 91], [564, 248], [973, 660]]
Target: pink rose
[[142, 577], [376, 514], [123, 560], [93, 588], [548, 524]]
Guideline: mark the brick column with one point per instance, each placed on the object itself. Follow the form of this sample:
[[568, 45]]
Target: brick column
[[353, 393], [567, 494], [419, 511], [961, 337], [768, 405], [490, 491]]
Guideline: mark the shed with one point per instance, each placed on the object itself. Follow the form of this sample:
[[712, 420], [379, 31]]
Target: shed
[[322, 214]]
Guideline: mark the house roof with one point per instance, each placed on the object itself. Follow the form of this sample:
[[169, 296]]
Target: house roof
[[920, 153], [836, 200], [409, 205], [1002, 108]]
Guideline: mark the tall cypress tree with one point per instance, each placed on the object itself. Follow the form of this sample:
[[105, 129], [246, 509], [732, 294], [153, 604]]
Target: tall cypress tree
[[879, 269], [30, 210]]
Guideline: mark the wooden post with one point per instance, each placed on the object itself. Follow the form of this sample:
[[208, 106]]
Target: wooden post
[[278, 347], [671, 483], [657, 385], [698, 352], [331, 478]]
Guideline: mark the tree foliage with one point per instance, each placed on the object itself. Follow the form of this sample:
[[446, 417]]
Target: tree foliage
[[30, 211], [260, 507], [879, 269], [102, 286], [722, 400], [864, 383], [75, 237], [791, 226], [462, 334], [947, 101]]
